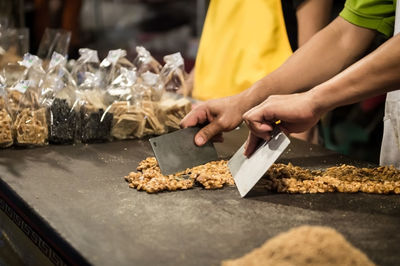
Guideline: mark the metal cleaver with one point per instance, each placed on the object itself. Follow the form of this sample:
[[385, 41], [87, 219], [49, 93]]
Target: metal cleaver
[[177, 151], [248, 171]]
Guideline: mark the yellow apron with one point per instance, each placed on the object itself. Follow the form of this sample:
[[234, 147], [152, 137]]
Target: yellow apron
[[242, 41]]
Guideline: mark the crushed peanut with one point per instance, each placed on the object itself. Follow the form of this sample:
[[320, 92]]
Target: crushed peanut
[[212, 175]]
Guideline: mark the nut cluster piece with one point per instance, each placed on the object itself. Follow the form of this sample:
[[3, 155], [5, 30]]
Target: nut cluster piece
[[6, 137], [344, 178], [31, 127], [212, 175]]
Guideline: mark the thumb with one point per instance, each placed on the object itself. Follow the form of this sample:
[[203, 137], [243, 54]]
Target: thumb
[[251, 144], [207, 133]]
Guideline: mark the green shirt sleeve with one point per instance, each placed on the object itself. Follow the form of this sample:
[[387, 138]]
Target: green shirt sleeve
[[372, 14]]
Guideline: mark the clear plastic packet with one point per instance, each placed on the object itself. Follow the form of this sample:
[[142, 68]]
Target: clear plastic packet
[[87, 64], [95, 121], [30, 118], [6, 127], [34, 71], [173, 74], [145, 62], [54, 40], [111, 65], [150, 87], [128, 117], [58, 94]]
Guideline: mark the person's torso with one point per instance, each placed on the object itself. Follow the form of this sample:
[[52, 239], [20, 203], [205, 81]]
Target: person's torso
[[242, 41]]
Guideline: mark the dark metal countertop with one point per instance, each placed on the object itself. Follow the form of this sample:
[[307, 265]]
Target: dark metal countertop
[[76, 197]]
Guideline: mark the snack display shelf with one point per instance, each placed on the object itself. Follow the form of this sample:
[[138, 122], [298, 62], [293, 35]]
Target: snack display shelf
[[72, 206]]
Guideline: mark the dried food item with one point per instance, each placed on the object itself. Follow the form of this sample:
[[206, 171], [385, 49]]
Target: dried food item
[[173, 111], [63, 122], [212, 175], [6, 136], [129, 121], [344, 178], [58, 94], [95, 124], [31, 127], [305, 245]]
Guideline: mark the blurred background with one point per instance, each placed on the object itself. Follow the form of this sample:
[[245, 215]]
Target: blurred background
[[164, 27]]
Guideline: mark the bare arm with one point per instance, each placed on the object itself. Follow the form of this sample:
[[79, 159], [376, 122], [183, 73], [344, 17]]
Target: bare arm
[[327, 53], [375, 74], [316, 10]]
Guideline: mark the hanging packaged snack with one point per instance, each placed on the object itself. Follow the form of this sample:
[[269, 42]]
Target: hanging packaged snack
[[147, 93], [145, 62], [58, 94], [121, 105], [173, 74], [6, 134], [30, 122], [111, 65]]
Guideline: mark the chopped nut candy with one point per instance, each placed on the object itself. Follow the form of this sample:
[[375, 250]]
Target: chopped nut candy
[[344, 178], [211, 175]]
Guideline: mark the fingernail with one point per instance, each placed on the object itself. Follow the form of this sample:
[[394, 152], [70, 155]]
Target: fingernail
[[199, 140]]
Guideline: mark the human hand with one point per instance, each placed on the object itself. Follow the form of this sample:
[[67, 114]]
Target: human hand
[[296, 112], [220, 115]]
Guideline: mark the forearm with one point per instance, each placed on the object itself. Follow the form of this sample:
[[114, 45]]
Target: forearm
[[316, 10], [326, 54], [375, 74]]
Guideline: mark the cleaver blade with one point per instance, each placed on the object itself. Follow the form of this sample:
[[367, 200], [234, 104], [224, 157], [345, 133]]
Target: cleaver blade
[[177, 151], [248, 171]]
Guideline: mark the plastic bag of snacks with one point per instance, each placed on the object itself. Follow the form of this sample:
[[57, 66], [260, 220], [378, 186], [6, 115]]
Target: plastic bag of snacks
[[95, 123], [6, 134], [58, 94], [126, 113], [173, 74], [145, 62], [30, 122], [147, 93], [111, 65], [31, 77]]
